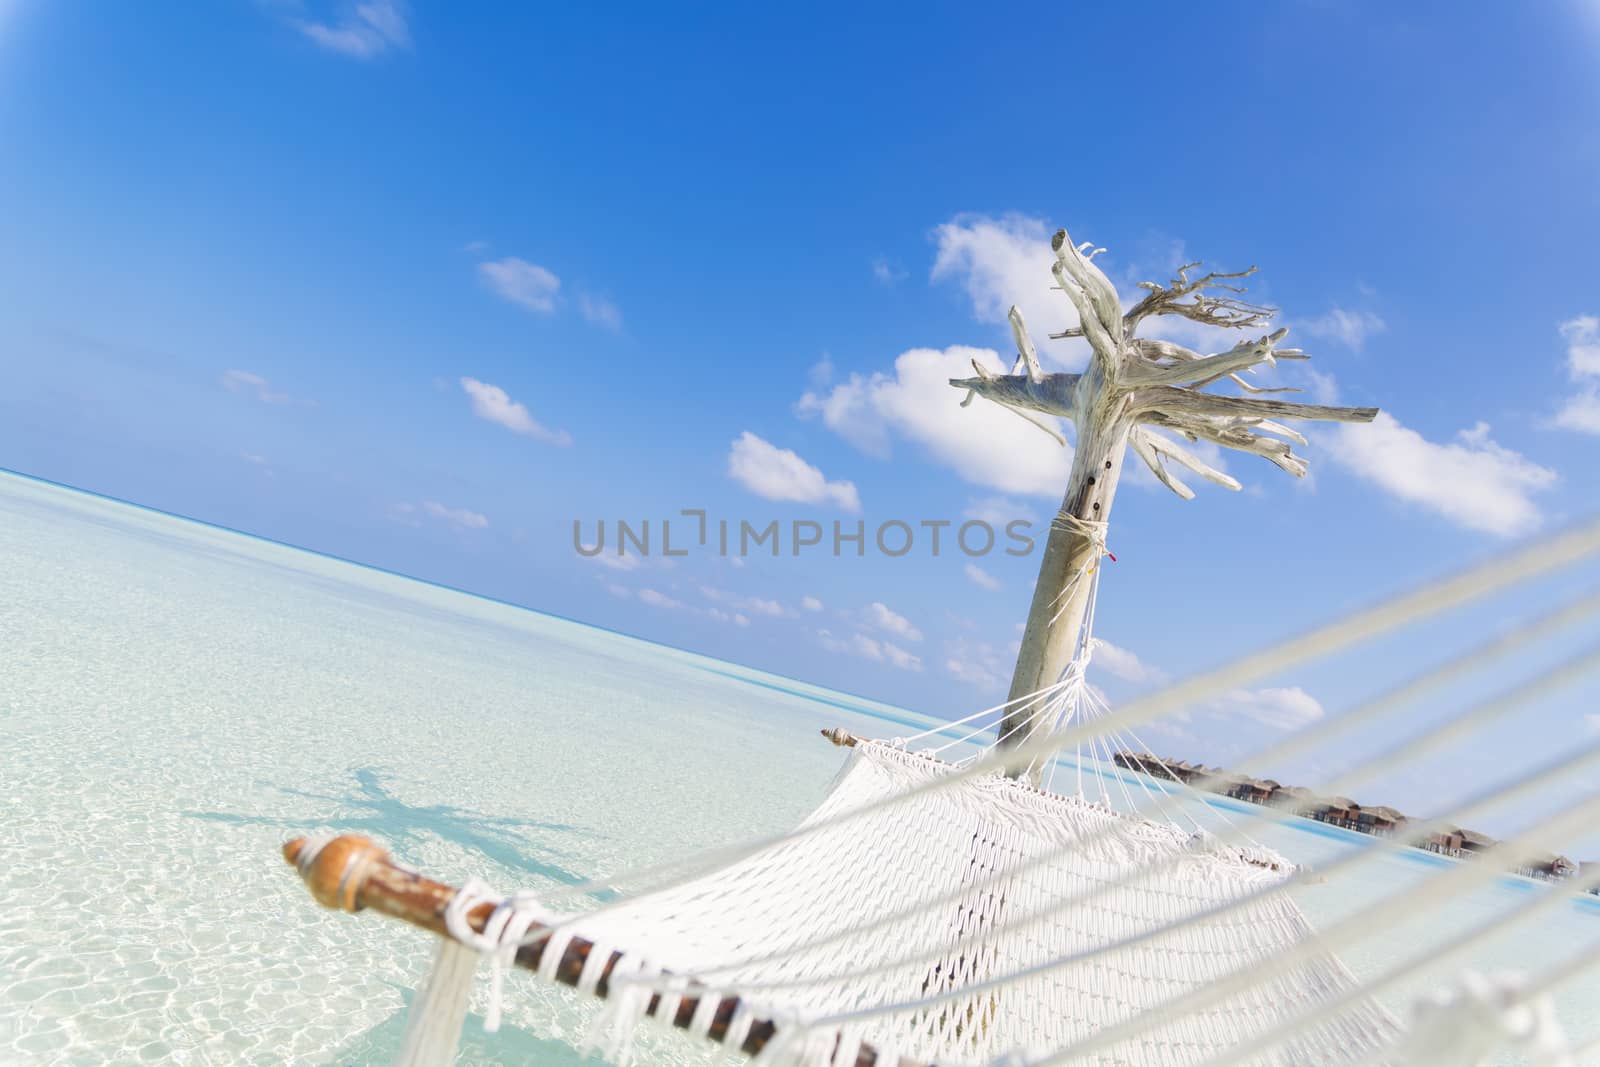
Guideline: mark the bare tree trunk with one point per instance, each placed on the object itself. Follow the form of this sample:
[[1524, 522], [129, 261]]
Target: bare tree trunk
[[1056, 616], [1130, 385]]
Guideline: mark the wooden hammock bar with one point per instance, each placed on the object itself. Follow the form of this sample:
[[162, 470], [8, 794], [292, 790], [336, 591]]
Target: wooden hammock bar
[[354, 873]]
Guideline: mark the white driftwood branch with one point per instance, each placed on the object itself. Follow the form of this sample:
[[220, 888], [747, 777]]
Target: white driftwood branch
[[1139, 440], [1026, 355], [1053, 394], [1106, 351], [1235, 434], [1240, 357], [1102, 295], [1166, 447], [1203, 305], [1152, 349], [1184, 401], [1268, 426]]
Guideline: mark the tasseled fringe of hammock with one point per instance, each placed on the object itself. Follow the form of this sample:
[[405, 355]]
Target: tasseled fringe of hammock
[[433, 1029]]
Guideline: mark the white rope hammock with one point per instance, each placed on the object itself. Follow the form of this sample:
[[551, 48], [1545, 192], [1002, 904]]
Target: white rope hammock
[[936, 911]]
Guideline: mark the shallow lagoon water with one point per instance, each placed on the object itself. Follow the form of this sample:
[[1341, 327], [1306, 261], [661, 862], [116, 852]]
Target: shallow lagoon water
[[176, 700]]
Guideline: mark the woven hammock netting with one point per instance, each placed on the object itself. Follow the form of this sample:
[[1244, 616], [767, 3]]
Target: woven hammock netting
[[982, 921]]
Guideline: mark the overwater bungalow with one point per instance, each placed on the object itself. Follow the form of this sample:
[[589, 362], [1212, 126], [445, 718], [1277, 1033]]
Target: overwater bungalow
[[1475, 844], [1297, 800], [1550, 867], [1255, 790], [1339, 811], [1444, 842], [1380, 820]]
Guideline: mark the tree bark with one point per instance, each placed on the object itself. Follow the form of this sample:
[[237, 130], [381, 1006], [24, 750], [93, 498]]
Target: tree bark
[[1050, 637]]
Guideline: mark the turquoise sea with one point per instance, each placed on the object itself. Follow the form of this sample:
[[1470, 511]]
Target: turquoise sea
[[177, 699]]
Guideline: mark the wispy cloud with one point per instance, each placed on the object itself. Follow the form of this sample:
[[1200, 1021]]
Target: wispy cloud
[[243, 381], [871, 648], [658, 599], [978, 663], [260, 462], [460, 518], [882, 617], [1285, 708], [753, 604], [780, 474], [456, 518], [811, 603], [982, 578], [490, 402], [525, 284], [365, 30], [887, 273], [600, 311], [1581, 411], [1473, 481], [1124, 664], [1349, 328]]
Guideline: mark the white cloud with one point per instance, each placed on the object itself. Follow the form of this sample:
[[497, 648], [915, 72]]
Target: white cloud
[[1581, 412], [884, 618], [984, 443], [242, 381], [899, 657], [367, 30], [1124, 664], [1472, 481], [616, 562], [1591, 723], [887, 273], [978, 663], [811, 603], [1006, 261], [600, 311], [997, 511], [1349, 328], [460, 518], [780, 474], [821, 372], [492, 403], [521, 282], [982, 577], [1285, 708], [870, 648], [753, 604], [657, 599], [1583, 346]]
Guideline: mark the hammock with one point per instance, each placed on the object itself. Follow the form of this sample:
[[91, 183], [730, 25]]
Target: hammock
[[941, 912], [967, 962]]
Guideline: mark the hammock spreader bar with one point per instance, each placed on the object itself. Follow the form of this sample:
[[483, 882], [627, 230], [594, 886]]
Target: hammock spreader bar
[[353, 873]]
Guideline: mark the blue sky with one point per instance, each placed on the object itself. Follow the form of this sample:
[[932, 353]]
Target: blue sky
[[419, 285]]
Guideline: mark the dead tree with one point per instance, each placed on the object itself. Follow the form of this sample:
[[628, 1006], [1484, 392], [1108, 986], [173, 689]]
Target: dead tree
[[1132, 389]]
